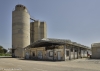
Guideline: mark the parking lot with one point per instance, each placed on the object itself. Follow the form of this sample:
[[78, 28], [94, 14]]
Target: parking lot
[[15, 64]]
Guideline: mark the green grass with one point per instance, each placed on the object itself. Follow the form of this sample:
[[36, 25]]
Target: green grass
[[2, 54]]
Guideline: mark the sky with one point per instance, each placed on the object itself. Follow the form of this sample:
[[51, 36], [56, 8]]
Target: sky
[[77, 20]]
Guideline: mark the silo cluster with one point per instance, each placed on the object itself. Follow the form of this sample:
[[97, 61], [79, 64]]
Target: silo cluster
[[24, 32], [38, 31]]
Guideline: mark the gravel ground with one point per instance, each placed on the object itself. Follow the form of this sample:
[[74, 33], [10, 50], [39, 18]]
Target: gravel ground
[[15, 64]]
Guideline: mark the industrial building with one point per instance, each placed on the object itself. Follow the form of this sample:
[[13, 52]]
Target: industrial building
[[56, 49], [95, 48], [29, 40]]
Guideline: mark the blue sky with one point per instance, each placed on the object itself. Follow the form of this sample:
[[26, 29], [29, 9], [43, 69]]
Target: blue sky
[[77, 20]]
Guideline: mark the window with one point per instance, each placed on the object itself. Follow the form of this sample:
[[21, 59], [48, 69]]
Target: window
[[98, 50], [24, 7], [75, 50], [51, 53], [33, 54], [67, 53], [71, 49]]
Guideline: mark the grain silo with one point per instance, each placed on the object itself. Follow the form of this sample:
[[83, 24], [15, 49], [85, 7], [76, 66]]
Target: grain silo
[[20, 30], [38, 30], [43, 30]]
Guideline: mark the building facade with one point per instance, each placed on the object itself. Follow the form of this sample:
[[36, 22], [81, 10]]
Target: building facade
[[95, 47]]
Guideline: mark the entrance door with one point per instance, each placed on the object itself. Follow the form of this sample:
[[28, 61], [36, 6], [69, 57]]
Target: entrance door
[[40, 54], [59, 55], [27, 55], [67, 54]]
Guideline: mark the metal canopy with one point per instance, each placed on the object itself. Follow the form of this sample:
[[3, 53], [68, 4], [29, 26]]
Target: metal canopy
[[45, 42], [51, 41]]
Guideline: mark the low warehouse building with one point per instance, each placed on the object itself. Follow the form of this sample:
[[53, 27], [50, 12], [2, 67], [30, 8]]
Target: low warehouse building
[[55, 49], [95, 50]]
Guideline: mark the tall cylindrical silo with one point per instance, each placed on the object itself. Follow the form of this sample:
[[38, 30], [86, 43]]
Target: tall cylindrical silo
[[20, 30]]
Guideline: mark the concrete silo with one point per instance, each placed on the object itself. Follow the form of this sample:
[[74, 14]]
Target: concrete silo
[[38, 30], [20, 30], [43, 30]]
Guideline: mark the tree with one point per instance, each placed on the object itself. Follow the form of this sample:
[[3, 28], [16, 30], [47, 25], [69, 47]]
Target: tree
[[4, 50], [1, 49]]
